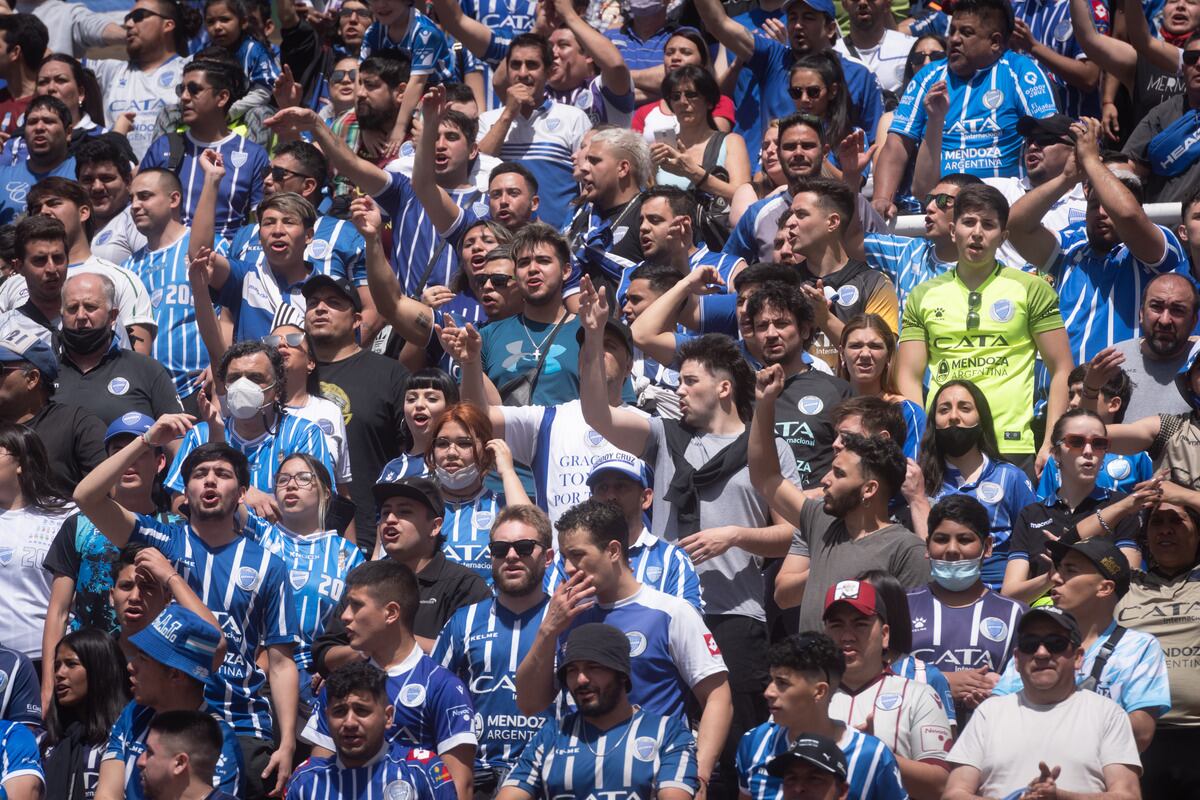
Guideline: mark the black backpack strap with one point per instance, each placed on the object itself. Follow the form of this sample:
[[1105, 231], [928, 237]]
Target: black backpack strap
[[175, 154], [474, 197], [1102, 657], [712, 151]]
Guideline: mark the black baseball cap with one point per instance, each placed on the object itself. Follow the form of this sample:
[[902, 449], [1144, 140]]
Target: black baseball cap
[[1055, 126], [617, 327], [419, 488], [1108, 559], [342, 285], [600, 644], [822, 753], [1063, 619]]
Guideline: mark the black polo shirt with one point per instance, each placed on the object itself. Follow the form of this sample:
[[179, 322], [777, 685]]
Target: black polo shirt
[[73, 438], [444, 588], [1053, 516], [123, 381]]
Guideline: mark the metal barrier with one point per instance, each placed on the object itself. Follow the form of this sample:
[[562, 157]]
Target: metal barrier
[[1165, 214]]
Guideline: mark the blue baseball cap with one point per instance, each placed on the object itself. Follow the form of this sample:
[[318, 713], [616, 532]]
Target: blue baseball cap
[[824, 6], [131, 423], [20, 343], [623, 463], [180, 640]]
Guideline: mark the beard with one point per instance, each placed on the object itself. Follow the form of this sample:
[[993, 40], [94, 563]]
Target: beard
[[839, 507], [524, 586], [605, 701], [375, 119]]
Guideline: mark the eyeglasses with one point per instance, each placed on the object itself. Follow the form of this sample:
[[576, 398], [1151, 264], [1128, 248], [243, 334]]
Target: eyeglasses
[[280, 174], [675, 97], [921, 59], [361, 13], [974, 301], [942, 200], [278, 339], [142, 14], [524, 547], [497, 279], [302, 479], [811, 92], [1077, 441], [1054, 643], [191, 87], [444, 443], [339, 75], [1190, 57]]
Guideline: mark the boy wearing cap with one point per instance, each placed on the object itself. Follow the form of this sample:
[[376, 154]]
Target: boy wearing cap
[[1089, 579], [608, 743], [813, 769], [174, 661], [905, 715], [1019, 741]]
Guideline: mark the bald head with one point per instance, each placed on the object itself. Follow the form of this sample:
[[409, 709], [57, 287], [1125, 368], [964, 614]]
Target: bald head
[[1168, 314]]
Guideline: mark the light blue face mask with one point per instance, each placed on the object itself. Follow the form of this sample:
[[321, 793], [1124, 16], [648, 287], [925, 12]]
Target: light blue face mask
[[955, 576]]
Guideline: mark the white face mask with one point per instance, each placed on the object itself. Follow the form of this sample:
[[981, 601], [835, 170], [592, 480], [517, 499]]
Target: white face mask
[[457, 481], [244, 398]]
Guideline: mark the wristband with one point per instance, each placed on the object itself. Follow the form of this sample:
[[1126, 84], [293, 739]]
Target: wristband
[[145, 438], [700, 183], [1103, 524]]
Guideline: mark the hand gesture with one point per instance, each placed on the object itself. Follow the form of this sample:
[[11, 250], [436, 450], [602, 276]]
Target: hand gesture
[[1043, 787], [1110, 122], [262, 504], [366, 216], [501, 454], [519, 96], [1021, 39], [1087, 139], [868, 724], [168, 428], [884, 207], [1072, 172], [768, 384], [152, 564], [435, 296], [294, 119], [937, 101], [287, 92], [1103, 367], [853, 154], [704, 280], [709, 543], [200, 268], [213, 165], [281, 764], [818, 301], [124, 123], [775, 29], [593, 306], [210, 411], [672, 160], [914, 481], [432, 103], [569, 600]]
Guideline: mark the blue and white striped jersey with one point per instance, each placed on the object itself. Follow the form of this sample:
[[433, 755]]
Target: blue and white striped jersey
[[671, 649], [980, 132], [19, 754], [1134, 677], [516, 16], [247, 589], [907, 260], [1100, 294], [337, 249], [753, 237], [466, 530], [598, 102], [397, 772], [258, 63], [1117, 473], [959, 638], [414, 239], [917, 670], [1049, 22], [403, 466], [177, 344], [544, 143], [255, 296], [422, 39], [703, 257], [873, 772], [483, 644], [317, 566], [655, 563], [128, 741], [632, 759], [16, 179], [292, 434], [433, 709], [240, 191]]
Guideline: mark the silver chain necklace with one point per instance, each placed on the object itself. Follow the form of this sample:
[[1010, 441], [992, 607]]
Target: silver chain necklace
[[537, 348]]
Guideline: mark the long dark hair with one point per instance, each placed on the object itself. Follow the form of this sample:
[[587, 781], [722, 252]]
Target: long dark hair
[[41, 488], [898, 620], [840, 117], [108, 688], [931, 461], [85, 79], [908, 64], [428, 378]]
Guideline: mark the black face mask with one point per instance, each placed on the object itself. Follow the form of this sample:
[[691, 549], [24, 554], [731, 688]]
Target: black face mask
[[85, 341], [957, 441]]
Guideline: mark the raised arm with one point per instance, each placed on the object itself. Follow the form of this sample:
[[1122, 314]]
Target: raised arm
[[152, 564], [737, 39], [1162, 55], [474, 35], [928, 169], [1080, 73], [654, 329], [535, 674], [465, 346], [1108, 52], [436, 201], [363, 174], [412, 319], [895, 154], [514, 490], [783, 497], [204, 217], [604, 54], [1033, 240], [200, 276]]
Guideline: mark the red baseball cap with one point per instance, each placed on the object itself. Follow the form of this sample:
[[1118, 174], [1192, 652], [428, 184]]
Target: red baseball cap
[[859, 595]]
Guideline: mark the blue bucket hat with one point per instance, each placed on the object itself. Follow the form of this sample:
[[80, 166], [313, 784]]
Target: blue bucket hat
[[180, 640]]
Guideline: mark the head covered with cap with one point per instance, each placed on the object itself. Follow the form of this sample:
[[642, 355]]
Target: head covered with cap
[[599, 644]]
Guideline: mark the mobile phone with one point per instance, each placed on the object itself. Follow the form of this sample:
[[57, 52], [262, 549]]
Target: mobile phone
[[667, 136]]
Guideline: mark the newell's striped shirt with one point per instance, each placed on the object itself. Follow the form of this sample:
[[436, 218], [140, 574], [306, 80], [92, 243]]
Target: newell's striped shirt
[[483, 644], [634, 758], [247, 590]]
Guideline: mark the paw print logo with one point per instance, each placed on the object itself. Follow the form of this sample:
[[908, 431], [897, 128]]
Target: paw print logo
[[918, 623]]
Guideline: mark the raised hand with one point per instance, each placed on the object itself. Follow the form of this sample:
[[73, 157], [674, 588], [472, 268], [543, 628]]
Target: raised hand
[[200, 268], [213, 165], [569, 600], [432, 103], [152, 564], [593, 305], [168, 428], [366, 216], [768, 384], [501, 454], [852, 152], [937, 100], [704, 280], [1087, 139], [287, 92], [296, 118]]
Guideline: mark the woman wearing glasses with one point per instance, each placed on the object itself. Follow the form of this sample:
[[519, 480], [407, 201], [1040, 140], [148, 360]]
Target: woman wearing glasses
[[817, 86], [1079, 510], [343, 89], [462, 455], [685, 48], [959, 456], [925, 50]]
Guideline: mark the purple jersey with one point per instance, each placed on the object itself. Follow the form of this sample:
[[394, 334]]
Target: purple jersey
[[954, 639]]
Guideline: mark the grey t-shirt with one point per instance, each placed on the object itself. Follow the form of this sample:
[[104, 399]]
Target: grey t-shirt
[[1154, 389], [732, 583], [834, 557]]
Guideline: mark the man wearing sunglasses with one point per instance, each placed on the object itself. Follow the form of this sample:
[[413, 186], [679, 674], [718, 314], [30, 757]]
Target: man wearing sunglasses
[[482, 643], [1017, 742]]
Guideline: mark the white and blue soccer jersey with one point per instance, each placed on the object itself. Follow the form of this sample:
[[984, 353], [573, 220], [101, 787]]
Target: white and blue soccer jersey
[[633, 759], [703, 257], [247, 589], [872, 769], [336, 249], [599, 102], [415, 242], [292, 434], [404, 773], [1100, 294], [1117, 473], [917, 670], [256, 297], [483, 644], [1134, 677], [655, 563], [258, 63], [128, 741], [423, 40], [509, 18], [907, 260], [317, 566], [177, 344], [957, 638], [467, 528], [433, 709], [246, 167], [19, 754], [1049, 22], [16, 179], [753, 237], [403, 466], [979, 135], [544, 143], [671, 649]]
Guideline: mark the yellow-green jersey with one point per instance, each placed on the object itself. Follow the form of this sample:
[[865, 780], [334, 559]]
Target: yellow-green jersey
[[986, 337]]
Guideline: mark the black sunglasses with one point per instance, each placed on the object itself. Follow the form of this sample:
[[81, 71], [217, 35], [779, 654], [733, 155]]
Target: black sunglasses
[[141, 14], [280, 174], [925, 58], [497, 279], [1055, 643], [191, 87], [1190, 57], [524, 547], [361, 13], [675, 97], [800, 92], [339, 75], [941, 200], [290, 339]]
